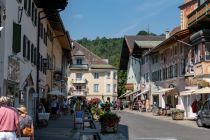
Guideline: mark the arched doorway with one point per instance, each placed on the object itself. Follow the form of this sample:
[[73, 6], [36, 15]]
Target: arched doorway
[[31, 101]]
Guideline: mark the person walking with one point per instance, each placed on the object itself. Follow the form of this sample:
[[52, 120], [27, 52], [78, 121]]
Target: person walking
[[26, 123], [9, 124]]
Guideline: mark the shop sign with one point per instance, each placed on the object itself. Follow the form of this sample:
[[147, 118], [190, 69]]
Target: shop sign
[[13, 70]]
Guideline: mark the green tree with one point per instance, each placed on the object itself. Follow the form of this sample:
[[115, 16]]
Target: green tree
[[122, 77]]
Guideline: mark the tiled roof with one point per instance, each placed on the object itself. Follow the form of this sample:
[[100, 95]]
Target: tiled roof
[[90, 58], [130, 40], [175, 30]]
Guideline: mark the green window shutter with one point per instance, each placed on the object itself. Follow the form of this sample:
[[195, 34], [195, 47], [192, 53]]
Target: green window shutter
[[16, 46], [28, 50], [32, 53], [25, 4], [24, 45], [35, 57]]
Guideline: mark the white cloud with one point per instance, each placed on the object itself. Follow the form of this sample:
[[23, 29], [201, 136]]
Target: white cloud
[[125, 30], [78, 16]]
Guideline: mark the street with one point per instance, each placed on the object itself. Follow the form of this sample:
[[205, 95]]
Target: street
[[134, 127]]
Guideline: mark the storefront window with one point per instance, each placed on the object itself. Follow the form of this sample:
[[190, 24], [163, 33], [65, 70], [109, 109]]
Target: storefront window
[[207, 51]]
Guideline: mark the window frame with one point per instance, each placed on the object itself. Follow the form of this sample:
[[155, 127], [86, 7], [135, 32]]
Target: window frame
[[96, 88]]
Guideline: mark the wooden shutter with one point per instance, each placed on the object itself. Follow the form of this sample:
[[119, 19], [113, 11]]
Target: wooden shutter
[[24, 45], [16, 44], [32, 53]]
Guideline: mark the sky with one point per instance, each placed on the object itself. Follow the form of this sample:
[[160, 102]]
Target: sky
[[117, 18]]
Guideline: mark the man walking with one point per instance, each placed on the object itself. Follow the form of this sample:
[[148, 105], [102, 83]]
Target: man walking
[[9, 122]]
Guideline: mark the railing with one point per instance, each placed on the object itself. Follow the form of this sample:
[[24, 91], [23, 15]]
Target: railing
[[82, 92], [79, 81], [199, 13], [76, 66]]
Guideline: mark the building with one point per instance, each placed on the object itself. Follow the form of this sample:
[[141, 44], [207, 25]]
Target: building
[[131, 60], [91, 76], [20, 62]]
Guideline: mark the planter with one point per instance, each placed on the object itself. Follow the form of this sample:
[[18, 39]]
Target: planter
[[109, 127], [178, 116]]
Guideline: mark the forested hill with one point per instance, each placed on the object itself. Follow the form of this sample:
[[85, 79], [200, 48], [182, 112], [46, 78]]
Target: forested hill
[[104, 48]]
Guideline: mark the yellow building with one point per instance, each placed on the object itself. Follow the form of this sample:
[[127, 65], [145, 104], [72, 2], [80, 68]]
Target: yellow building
[[91, 76]]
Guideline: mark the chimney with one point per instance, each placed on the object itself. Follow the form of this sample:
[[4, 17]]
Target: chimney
[[167, 33]]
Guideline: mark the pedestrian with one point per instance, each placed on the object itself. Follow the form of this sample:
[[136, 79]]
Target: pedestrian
[[9, 124], [54, 108], [65, 107], [26, 123], [140, 105]]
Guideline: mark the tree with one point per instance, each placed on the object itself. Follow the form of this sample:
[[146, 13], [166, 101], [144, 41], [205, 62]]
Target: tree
[[145, 33], [122, 77]]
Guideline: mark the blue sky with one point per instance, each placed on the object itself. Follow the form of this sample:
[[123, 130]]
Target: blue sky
[[116, 18]]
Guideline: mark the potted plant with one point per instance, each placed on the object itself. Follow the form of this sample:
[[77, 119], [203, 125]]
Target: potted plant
[[177, 114], [109, 122]]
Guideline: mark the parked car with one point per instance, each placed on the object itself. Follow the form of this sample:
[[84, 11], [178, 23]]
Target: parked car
[[203, 117]]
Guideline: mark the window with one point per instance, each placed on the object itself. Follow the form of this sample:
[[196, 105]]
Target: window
[[29, 7], [32, 53], [35, 57], [115, 75], [25, 4], [96, 87], [41, 30], [28, 49], [78, 76], [96, 75], [79, 61], [207, 51], [147, 77], [175, 70], [114, 88], [108, 88], [107, 75], [35, 16], [32, 12], [24, 45], [79, 88], [16, 43]]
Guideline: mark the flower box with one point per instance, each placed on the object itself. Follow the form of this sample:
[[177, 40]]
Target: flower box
[[109, 122], [177, 114]]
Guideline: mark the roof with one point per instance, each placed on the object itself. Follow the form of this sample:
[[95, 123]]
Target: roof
[[175, 30], [130, 40], [91, 59], [129, 44], [147, 44], [187, 4], [172, 39]]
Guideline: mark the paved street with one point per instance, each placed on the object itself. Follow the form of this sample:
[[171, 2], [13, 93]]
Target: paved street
[[134, 126], [60, 129]]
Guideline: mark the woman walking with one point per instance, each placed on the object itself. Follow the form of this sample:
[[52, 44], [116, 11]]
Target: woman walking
[[26, 123]]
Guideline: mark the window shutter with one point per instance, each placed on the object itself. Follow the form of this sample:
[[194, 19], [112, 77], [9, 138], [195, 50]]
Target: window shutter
[[16, 46], [32, 53], [29, 7], [35, 16], [32, 12], [28, 49], [35, 57], [24, 45], [25, 4]]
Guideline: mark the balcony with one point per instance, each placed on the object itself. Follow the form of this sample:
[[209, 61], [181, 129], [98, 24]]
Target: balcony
[[82, 92], [79, 67], [200, 16], [79, 81], [202, 69]]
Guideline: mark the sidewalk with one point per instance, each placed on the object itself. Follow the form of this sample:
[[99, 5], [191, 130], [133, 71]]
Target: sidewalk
[[185, 122], [60, 129]]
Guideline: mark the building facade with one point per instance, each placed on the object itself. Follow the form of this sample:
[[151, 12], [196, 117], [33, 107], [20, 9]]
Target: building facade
[[91, 76]]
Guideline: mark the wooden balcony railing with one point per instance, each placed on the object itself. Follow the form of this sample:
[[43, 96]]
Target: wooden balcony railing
[[199, 14]]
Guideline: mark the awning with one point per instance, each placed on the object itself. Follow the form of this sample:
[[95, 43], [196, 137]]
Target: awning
[[131, 93], [143, 92], [123, 95], [204, 90], [186, 92], [166, 91]]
